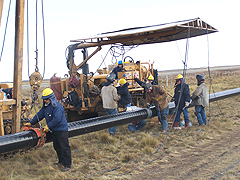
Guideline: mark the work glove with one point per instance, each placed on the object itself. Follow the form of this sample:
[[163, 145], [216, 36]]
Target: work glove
[[158, 98], [187, 104], [28, 124], [148, 105], [45, 129]]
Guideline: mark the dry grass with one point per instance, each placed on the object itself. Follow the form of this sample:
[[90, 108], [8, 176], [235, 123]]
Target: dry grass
[[95, 153]]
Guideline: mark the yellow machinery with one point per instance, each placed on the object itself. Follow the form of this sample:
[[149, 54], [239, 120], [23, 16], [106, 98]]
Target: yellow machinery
[[88, 89], [6, 109], [79, 93]]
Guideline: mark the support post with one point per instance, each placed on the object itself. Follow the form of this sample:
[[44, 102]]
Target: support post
[[18, 57], [1, 8]]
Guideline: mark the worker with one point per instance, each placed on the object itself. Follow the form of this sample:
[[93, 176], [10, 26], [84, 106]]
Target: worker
[[110, 98], [182, 101], [117, 69], [158, 96], [144, 84], [151, 80], [143, 69], [200, 100], [8, 92], [123, 91], [132, 127], [54, 114]]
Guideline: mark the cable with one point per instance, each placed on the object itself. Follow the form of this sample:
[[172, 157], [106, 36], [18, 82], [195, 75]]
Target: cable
[[44, 43], [209, 79], [36, 68], [5, 29]]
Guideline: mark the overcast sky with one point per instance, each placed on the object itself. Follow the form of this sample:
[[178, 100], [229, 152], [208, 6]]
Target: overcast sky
[[74, 19]]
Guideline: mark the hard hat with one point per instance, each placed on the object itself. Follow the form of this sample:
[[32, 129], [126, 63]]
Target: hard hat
[[122, 81], [200, 78], [46, 92], [150, 77], [179, 76], [120, 62]]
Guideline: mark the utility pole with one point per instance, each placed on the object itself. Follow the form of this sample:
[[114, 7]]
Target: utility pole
[[18, 58], [1, 8]]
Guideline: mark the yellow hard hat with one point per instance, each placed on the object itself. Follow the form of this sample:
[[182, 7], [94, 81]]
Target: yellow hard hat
[[122, 81], [46, 92], [151, 78], [179, 77]]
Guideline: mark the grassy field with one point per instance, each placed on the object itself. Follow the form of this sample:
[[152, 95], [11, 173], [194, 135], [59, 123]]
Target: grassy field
[[100, 156]]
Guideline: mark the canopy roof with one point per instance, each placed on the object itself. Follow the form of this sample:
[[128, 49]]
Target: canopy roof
[[149, 34]]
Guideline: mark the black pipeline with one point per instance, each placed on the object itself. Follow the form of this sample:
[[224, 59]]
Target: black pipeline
[[28, 139]]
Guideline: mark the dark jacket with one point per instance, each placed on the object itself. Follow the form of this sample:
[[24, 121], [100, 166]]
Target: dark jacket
[[116, 70], [126, 97], [54, 115], [158, 96], [141, 83], [185, 95]]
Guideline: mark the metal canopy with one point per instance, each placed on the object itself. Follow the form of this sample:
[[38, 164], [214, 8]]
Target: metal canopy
[[149, 34]]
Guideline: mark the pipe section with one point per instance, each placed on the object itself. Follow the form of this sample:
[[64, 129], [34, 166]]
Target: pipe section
[[224, 94], [17, 141], [103, 122]]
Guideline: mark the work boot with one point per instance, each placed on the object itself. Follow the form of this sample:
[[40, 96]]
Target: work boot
[[57, 164], [65, 169], [176, 125], [164, 131], [186, 125]]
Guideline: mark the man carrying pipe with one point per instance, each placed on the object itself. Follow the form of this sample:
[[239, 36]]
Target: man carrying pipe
[[53, 112]]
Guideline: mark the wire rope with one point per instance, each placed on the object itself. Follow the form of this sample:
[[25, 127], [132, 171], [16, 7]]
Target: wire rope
[[44, 42], [5, 29], [36, 68]]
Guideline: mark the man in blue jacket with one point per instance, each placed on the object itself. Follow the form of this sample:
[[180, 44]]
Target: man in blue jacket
[[182, 101], [54, 114], [123, 91], [118, 68], [126, 100]]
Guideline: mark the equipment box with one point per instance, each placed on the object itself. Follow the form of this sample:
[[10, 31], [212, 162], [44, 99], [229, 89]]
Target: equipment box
[[133, 84], [128, 74]]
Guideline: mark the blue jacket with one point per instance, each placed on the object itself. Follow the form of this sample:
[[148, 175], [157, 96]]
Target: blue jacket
[[116, 70], [126, 97], [54, 115], [185, 95]]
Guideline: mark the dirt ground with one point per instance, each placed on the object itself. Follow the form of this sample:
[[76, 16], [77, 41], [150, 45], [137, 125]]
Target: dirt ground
[[219, 158]]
